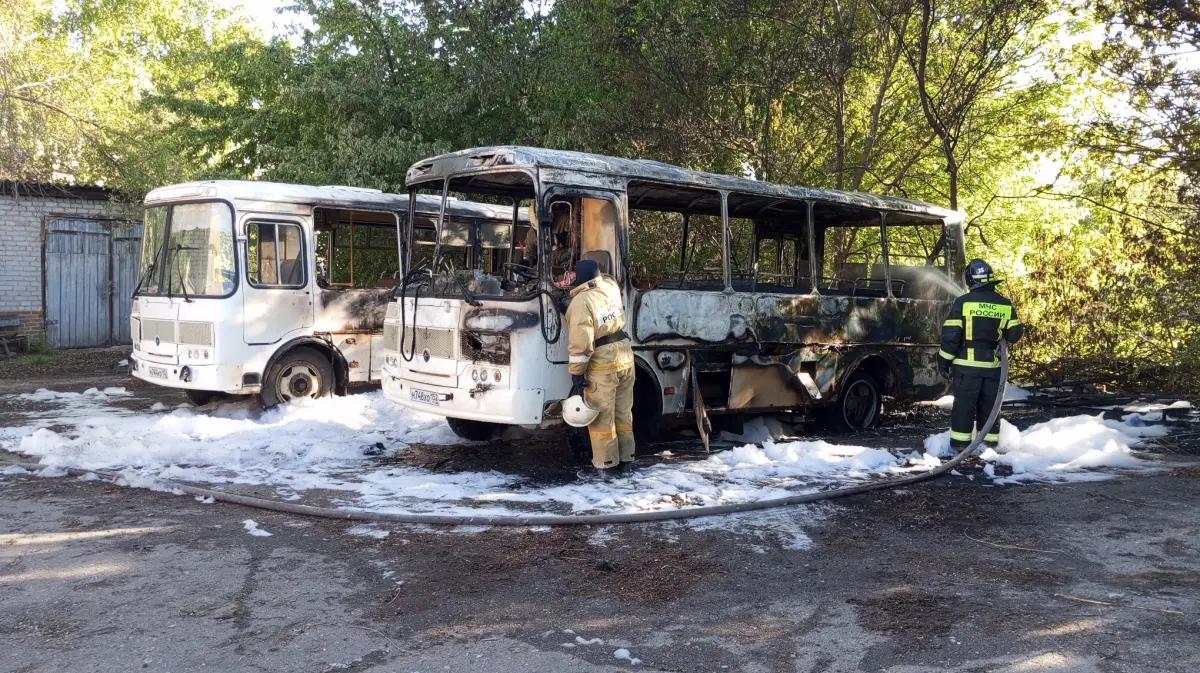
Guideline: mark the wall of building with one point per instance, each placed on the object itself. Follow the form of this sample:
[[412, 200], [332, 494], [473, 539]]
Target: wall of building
[[24, 210]]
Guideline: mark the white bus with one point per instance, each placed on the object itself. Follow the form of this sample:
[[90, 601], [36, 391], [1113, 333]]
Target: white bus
[[742, 297], [269, 289]]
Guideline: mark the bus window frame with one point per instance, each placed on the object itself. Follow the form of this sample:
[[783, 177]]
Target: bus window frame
[[441, 184], [333, 229], [686, 213], [546, 198], [233, 230], [304, 249]]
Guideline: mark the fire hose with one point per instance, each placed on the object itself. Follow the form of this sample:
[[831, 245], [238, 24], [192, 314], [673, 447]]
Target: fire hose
[[578, 519]]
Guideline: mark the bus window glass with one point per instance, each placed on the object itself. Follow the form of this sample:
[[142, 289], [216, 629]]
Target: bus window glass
[[291, 259], [199, 253], [153, 235], [273, 255]]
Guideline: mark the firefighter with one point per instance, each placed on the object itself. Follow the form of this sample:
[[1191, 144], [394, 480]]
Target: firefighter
[[601, 366], [970, 357]]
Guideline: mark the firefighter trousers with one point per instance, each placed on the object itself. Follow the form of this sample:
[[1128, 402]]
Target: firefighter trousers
[[974, 397], [611, 391]]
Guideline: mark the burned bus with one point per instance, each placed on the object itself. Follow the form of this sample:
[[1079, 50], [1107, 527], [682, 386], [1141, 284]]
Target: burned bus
[[270, 289], [743, 297]]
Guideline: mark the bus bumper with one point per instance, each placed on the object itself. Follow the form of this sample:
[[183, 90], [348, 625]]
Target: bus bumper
[[216, 378], [508, 406]]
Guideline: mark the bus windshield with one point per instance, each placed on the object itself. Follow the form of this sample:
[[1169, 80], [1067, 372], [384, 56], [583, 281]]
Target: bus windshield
[[187, 249]]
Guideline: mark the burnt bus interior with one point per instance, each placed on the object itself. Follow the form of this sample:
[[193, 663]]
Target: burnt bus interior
[[487, 258], [771, 250], [778, 246]]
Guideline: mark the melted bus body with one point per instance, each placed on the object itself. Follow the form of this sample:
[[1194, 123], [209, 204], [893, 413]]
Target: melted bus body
[[273, 289], [742, 297]]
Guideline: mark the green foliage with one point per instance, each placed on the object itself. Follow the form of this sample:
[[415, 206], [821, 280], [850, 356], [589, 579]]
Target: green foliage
[[1075, 162]]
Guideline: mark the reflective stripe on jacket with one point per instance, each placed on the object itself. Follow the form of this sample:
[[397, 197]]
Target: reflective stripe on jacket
[[972, 331], [596, 311]]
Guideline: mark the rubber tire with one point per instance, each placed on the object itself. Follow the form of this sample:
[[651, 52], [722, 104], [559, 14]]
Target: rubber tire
[[580, 444], [835, 415], [269, 397], [647, 412], [473, 431], [200, 398]]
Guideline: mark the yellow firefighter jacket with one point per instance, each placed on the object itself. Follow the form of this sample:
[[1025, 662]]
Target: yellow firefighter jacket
[[596, 311]]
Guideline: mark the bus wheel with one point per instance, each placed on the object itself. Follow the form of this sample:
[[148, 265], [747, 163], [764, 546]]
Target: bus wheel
[[647, 411], [200, 398], [301, 373], [473, 431], [581, 444], [859, 404]]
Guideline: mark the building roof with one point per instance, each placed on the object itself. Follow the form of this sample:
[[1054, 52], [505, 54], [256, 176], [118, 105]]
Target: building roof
[[52, 190], [507, 156]]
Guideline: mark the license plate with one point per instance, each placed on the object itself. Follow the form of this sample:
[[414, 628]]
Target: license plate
[[157, 372], [423, 396]]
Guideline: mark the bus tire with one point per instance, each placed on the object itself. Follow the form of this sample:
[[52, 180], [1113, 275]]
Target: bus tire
[[200, 398], [581, 445], [647, 410], [859, 404], [473, 431], [298, 374]]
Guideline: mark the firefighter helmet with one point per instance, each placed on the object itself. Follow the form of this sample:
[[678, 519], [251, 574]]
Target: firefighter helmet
[[978, 273], [578, 413]]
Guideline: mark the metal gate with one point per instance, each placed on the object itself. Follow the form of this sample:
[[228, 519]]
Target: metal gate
[[91, 269]]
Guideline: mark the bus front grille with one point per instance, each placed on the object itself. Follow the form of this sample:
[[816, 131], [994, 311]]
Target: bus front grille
[[440, 342], [196, 333], [158, 330], [169, 331]]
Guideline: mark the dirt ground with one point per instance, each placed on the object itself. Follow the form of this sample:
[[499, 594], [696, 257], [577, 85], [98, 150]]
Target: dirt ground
[[950, 575]]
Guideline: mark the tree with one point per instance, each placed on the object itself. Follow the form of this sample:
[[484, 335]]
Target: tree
[[965, 54], [72, 77]]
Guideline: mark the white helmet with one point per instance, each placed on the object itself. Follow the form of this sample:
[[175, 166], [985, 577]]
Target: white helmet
[[578, 413]]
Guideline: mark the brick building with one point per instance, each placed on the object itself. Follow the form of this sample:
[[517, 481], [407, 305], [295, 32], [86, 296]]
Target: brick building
[[27, 212]]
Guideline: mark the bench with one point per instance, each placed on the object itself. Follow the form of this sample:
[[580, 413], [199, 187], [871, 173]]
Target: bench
[[9, 336]]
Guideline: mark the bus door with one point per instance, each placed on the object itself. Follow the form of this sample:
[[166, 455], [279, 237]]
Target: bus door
[[277, 297]]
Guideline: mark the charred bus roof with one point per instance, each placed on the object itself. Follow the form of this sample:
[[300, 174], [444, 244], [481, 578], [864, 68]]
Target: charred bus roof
[[488, 161]]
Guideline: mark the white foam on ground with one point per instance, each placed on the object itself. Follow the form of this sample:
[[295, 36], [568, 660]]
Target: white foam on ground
[[623, 653], [320, 444], [1064, 449], [251, 527]]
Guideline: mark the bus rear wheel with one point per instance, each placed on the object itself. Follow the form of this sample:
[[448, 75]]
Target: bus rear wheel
[[473, 431], [859, 404], [299, 374]]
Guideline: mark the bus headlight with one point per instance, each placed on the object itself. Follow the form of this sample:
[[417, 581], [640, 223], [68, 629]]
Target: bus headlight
[[475, 375], [483, 375]]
